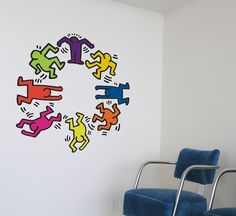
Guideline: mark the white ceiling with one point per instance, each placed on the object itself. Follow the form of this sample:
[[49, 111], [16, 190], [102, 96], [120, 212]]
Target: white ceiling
[[160, 6]]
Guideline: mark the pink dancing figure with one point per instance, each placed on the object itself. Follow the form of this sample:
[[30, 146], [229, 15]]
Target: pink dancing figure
[[39, 124]]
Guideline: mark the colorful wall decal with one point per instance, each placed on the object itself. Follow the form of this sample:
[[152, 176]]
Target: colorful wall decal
[[39, 124], [75, 48], [40, 61], [79, 132], [110, 117], [113, 92], [38, 92], [104, 63], [38, 88]]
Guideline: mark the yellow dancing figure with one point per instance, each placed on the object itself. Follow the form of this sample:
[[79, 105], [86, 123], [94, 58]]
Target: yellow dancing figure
[[79, 132], [104, 63]]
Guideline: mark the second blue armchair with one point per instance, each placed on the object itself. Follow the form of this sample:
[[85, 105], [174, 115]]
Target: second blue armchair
[[192, 165]]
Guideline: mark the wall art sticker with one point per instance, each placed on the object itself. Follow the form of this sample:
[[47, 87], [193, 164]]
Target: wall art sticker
[[38, 92], [105, 62], [39, 124], [40, 61], [110, 117], [38, 105], [79, 132], [75, 48], [113, 92]]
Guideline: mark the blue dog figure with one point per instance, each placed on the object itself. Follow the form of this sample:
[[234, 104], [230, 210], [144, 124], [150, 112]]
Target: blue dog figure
[[113, 92]]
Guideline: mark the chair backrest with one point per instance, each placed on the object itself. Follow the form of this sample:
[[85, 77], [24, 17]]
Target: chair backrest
[[189, 157]]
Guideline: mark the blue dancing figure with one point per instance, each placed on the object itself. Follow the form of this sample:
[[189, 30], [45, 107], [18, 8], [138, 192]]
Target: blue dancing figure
[[113, 92]]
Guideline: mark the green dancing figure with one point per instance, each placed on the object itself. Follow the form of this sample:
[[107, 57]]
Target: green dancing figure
[[40, 61]]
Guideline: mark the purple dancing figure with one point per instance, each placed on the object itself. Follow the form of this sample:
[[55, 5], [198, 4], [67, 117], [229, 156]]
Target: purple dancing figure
[[113, 92], [75, 48]]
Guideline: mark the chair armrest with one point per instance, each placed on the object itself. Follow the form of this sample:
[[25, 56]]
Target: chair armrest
[[144, 165], [183, 177], [229, 170]]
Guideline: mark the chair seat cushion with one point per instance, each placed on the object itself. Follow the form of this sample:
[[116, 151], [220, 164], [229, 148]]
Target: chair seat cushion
[[221, 212], [160, 202]]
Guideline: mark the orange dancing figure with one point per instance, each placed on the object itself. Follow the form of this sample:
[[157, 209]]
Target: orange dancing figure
[[109, 116], [38, 92]]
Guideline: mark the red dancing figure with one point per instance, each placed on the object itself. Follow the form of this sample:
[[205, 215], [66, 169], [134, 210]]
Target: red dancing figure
[[39, 92]]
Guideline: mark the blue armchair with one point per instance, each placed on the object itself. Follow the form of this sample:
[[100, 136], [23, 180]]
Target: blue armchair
[[220, 211], [192, 165]]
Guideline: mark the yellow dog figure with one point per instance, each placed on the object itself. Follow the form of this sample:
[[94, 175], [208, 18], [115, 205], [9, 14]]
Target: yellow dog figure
[[79, 132]]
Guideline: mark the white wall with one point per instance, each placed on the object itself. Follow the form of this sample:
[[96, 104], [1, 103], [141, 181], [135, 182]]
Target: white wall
[[199, 91], [41, 176]]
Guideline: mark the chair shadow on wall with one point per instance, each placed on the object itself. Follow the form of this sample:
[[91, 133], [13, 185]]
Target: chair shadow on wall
[[192, 165]]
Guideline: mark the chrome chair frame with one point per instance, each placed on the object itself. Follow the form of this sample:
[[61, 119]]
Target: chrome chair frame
[[182, 180], [228, 170]]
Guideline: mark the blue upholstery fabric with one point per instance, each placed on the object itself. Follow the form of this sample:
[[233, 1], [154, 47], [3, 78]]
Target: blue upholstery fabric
[[160, 202], [189, 157], [221, 212]]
